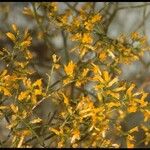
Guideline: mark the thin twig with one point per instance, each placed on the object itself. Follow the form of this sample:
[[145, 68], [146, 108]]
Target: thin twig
[[111, 18], [142, 23], [64, 36], [72, 7], [48, 43]]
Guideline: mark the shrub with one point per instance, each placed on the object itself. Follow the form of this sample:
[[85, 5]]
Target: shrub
[[91, 101]]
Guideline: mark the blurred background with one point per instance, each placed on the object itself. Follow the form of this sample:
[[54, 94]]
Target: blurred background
[[120, 18]]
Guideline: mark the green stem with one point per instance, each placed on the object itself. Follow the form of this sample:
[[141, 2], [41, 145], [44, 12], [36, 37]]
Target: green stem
[[30, 128]]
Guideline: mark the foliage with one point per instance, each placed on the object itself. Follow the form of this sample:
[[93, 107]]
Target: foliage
[[91, 100]]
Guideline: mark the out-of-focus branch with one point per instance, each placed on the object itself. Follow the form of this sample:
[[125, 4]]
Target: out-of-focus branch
[[72, 7], [48, 43], [142, 23], [64, 37], [112, 16], [135, 6]]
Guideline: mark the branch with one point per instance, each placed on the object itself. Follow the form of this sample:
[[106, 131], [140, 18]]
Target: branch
[[136, 6]]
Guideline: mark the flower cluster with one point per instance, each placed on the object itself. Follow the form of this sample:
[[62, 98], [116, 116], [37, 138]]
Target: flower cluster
[[89, 98]]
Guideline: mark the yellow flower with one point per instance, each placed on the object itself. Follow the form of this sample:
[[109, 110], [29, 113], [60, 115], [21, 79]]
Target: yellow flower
[[87, 38], [69, 69], [26, 132], [146, 115], [141, 101], [143, 40], [23, 95], [76, 22], [112, 81], [33, 99], [96, 69], [37, 120], [29, 54], [88, 25], [113, 94], [54, 6], [106, 76], [66, 100], [14, 27], [135, 36], [3, 107], [27, 82], [54, 57], [76, 37], [132, 108], [96, 18], [133, 130], [5, 91], [25, 43], [130, 140], [102, 56], [78, 83], [76, 135], [38, 83], [129, 93], [38, 92], [60, 144], [57, 132], [85, 71], [66, 81], [11, 36], [27, 11], [14, 108]]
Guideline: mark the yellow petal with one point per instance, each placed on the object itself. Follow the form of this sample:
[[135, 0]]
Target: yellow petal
[[112, 82], [37, 92], [133, 130], [130, 140], [3, 107], [54, 130], [29, 54], [14, 108], [26, 132], [6, 91], [130, 89], [96, 69], [84, 73], [54, 56], [102, 56], [116, 95], [129, 144], [119, 89], [34, 99], [69, 69], [76, 135], [14, 27], [23, 95], [25, 43], [38, 120], [4, 72], [112, 104], [106, 76], [132, 109], [144, 96], [66, 100], [38, 83], [11, 36], [20, 142], [100, 97]]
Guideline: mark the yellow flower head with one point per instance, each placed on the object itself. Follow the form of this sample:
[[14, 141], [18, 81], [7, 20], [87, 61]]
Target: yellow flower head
[[96, 18], [69, 69], [87, 38]]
